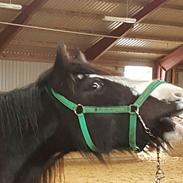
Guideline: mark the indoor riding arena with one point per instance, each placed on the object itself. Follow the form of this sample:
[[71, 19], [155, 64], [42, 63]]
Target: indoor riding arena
[[141, 40]]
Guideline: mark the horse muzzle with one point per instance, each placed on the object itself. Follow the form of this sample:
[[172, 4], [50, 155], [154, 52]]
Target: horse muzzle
[[177, 120]]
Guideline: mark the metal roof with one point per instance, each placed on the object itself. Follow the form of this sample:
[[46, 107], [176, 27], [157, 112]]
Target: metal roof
[[155, 36]]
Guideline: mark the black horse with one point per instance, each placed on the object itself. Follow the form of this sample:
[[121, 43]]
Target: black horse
[[36, 129]]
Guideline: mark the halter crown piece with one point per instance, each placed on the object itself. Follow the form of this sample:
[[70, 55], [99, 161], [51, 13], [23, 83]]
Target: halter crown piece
[[132, 110]]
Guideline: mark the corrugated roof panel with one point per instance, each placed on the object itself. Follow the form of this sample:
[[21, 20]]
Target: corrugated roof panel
[[175, 2], [73, 17], [71, 22], [93, 6], [55, 37], [159, 31], [138, 27], [132, 43], [113, 8], [22, 2], [133, 9], [166, 15], [113, 25], [7, 15]]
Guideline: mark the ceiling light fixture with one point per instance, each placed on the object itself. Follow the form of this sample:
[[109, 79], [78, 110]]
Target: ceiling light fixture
[[120, 19], [10, 6]]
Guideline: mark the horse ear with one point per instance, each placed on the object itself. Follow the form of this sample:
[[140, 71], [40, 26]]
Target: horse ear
[[81, 57], [60, 71], [62, 56]]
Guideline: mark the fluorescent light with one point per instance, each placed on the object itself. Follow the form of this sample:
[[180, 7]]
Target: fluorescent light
[[10, 6], [120, 19]]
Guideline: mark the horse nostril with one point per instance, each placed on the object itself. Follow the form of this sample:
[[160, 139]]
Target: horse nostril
[[179, 95]]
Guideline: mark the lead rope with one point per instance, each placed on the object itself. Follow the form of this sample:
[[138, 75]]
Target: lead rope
[[159, 172]]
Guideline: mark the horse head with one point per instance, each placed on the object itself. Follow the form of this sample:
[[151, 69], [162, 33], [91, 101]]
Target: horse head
[[76, 106], [86, 85]]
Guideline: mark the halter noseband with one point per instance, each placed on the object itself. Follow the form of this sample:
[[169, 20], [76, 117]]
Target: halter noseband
[[132, 110]]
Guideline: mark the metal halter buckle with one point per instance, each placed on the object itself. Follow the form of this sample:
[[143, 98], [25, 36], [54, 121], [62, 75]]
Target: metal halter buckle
[[78, 109]]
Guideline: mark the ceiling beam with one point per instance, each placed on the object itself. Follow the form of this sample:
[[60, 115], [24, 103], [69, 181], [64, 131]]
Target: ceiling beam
[[104, 44], [9, 32], [172, 59], [123, 62], [139, 50], [159, 72], [168, 62]]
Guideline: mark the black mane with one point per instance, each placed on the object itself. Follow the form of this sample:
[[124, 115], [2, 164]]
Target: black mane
[[19, 109]]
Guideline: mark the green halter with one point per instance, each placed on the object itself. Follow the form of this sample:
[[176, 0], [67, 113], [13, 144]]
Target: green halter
[[132, 110]]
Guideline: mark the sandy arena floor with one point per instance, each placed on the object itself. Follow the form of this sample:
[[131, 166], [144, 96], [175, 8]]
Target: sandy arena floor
[[123, 171]]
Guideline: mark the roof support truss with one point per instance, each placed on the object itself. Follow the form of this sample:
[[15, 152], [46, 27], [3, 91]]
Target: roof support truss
[[104, 44], [10, 31], [168, 62]]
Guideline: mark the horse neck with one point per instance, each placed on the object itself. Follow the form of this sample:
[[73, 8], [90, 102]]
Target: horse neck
[[24, 158]]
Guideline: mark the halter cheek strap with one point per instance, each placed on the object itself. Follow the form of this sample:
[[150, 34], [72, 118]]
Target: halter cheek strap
[[132, 110]]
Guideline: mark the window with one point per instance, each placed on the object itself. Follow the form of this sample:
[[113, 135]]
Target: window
[[138, 72]]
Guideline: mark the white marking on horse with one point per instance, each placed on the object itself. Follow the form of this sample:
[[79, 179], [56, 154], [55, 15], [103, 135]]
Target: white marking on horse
[[96, 76], [180, 105], [80, 76], [175, 135], [165, 91]]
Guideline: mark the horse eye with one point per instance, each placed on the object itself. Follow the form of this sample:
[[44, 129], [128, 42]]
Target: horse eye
[[96, 85], [80, 76]]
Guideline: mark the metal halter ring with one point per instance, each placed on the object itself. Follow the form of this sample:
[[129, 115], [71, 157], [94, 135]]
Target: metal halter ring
[[134, 108], [78, 109]]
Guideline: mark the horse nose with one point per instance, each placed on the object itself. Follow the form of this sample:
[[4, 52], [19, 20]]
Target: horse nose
[[179, 95]]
